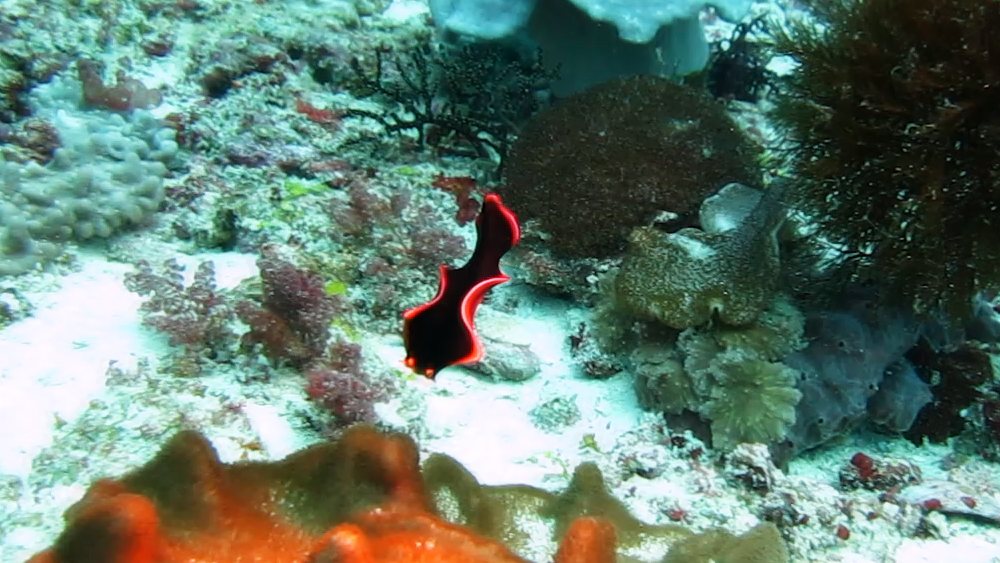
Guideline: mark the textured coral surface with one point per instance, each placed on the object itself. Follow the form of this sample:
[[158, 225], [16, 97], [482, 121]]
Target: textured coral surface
[[361, 499], [687, 278], [639, 146]]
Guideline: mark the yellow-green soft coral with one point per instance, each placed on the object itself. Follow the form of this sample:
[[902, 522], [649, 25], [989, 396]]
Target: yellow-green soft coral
[[686, 278], [744, 390], [660, 380], [777, 332], [751, 400], [731, 376]]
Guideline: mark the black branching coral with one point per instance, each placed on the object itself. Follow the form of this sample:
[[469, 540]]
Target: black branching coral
[[458, 99], [893, 122]]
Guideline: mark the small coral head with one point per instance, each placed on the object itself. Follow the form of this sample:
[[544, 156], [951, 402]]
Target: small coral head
[[590, 169], [441, 332]]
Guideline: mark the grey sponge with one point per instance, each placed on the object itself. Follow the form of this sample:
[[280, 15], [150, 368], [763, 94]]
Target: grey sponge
[[899, 399], [851, 371]]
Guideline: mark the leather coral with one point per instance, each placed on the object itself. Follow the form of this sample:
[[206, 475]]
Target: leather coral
[[359, 499]]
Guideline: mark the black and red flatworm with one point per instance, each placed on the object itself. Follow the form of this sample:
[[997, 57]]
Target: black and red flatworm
[[440, 333]]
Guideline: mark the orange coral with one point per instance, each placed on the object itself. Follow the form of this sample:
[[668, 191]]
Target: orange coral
[[588, 540], [411, 536], [359, 500]]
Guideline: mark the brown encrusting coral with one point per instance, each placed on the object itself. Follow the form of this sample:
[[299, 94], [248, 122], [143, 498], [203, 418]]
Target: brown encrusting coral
[[596, 165], [893, 124]]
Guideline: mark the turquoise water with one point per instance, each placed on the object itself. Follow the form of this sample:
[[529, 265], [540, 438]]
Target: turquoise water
[[214, 214]]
